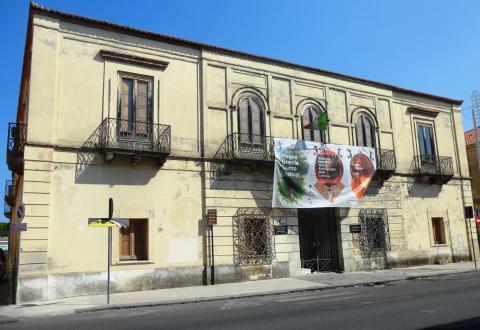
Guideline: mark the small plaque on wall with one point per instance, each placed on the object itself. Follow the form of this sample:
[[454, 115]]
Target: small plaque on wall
[[355, 229], [281, 230]]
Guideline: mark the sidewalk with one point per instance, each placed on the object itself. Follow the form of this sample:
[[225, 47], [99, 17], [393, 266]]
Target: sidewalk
[[308, 282]]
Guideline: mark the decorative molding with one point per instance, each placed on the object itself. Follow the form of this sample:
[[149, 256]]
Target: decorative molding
[[133, 59], [423, 112]]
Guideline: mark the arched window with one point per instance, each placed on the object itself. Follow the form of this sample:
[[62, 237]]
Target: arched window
[[365, 131], [250, 117], [310, 130]]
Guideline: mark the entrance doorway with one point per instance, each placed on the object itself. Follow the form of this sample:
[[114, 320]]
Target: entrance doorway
[[318, 239]]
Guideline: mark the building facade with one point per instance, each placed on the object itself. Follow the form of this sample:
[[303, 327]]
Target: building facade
[[473, 168], [171, 128]]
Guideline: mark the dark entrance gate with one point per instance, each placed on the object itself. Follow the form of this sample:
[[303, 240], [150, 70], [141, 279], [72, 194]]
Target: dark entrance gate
[[318, 239]]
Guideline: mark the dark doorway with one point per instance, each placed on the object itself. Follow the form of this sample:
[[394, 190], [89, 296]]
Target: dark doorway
[[318, 239]]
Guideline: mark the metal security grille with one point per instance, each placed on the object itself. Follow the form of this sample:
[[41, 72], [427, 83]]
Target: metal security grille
[[375, 236], [252, 237]]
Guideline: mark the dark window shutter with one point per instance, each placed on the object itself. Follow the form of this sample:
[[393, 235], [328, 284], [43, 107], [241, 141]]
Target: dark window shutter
[[140, 237], [306, 125], [367, 127], [256, 114], [126, 104], [141, 112], [243, 117], [359, 131]]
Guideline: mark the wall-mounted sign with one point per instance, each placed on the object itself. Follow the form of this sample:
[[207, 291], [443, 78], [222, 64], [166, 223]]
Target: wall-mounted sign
[[312, 174], [355, 229], [20, 212], [280, 230], [211, 217], [19, 227], [104, 222]]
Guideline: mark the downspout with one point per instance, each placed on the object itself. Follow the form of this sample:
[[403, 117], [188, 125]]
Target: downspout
[[203, 183], [457, 156]]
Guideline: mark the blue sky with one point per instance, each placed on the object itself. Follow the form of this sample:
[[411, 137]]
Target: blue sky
[[429, 45]]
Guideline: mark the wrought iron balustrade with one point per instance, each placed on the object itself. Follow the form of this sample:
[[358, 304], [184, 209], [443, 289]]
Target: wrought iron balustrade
[[433, 166], [126, 136], [7, 210], [10, 192], [386, 161], [17, 136], [244, 146]]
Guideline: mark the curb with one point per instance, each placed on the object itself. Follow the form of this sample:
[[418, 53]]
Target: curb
[[313, 288]]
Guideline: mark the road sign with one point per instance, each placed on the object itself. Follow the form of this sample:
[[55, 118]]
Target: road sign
[[20, 212], [104, 222], [19, 227], [211, 217]]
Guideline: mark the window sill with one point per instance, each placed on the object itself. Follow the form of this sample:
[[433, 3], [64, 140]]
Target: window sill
[[133, 262], [439, 245]]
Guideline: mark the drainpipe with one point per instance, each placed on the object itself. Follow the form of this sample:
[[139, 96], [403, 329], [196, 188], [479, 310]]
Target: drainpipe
[[203, 183], [457, 156]]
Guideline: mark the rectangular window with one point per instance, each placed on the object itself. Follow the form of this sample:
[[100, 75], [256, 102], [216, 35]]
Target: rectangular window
[[134, 240], [438, 228], [374, 236], [425, 141], [135, 105], [252, 237]]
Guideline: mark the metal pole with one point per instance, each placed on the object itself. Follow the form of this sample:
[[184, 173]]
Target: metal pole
[[212, 269], [473, 243], [108, 262]]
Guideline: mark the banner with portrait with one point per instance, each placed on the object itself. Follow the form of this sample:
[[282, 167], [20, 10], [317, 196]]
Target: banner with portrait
[[312, 174]]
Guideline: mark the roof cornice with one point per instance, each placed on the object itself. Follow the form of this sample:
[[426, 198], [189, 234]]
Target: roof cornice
[[36, 8]]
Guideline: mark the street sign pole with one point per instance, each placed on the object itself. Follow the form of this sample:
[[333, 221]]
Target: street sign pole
[[108, 262], [473, 242]]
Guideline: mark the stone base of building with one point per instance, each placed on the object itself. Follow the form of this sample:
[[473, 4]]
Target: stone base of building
[[55, 286]]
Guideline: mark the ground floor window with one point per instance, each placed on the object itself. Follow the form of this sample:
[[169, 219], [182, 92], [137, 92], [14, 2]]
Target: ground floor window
[[134, 240], [374, 236], [252, 236], [438, 228]]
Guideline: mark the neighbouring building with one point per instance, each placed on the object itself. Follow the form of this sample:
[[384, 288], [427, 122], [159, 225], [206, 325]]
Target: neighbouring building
[[473, 168], [171, 128]]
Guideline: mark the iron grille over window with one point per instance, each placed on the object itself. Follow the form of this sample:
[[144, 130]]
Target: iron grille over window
[[252, 237], [374, 237]]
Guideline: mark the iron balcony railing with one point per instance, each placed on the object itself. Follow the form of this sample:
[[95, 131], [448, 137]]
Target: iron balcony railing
[[434, 166], [10, 192], [134, 136], [244, 146], [386, 161], [17, 136], [7, 210]]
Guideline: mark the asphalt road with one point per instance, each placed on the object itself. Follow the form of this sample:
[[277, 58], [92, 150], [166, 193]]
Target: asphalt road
[[447, 302]]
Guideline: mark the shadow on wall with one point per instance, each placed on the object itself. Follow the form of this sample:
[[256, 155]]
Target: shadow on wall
[[424, 190], [91, 169]]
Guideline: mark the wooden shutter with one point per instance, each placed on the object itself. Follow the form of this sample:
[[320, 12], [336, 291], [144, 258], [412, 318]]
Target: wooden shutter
[[126, 104], [315, 130], [141, 105], [140, 238], [368, 129], [243, 117], [359, 131], [306, 124], [125, 243], [256, 114]]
